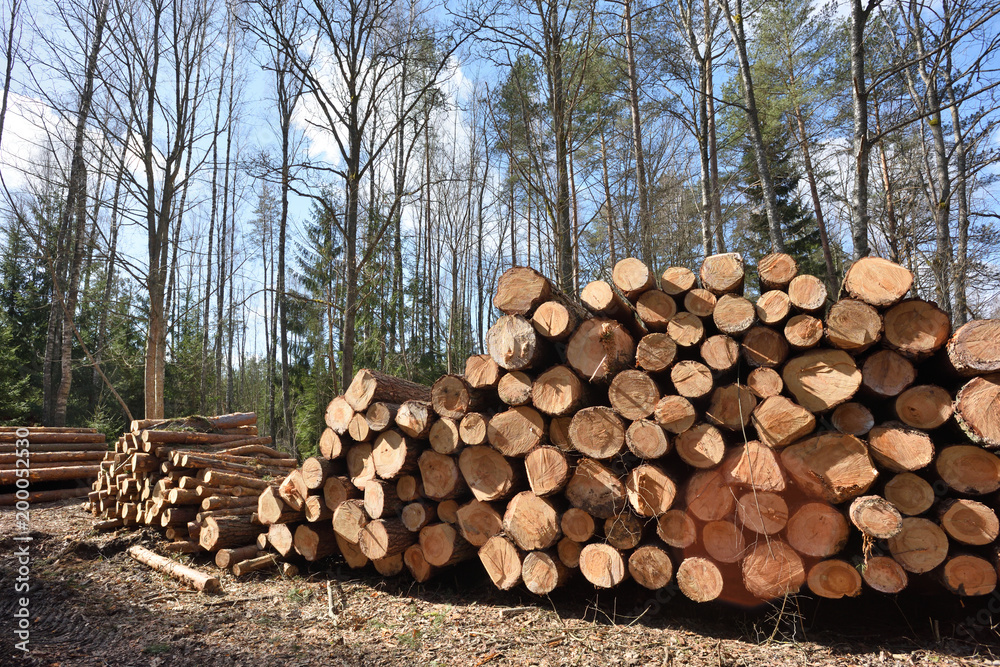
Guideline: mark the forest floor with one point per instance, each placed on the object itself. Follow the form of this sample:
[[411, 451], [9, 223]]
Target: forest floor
[[93, 605]]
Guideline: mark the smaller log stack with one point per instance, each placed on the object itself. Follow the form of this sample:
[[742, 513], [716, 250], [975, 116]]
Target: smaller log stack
[[61, 462], [197, 479]]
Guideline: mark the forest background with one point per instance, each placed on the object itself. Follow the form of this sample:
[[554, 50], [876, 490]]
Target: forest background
[[212, 207]]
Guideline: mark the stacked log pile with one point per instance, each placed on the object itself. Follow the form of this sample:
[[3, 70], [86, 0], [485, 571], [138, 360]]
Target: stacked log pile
[[56, 462], [669, 432], [197, 479]]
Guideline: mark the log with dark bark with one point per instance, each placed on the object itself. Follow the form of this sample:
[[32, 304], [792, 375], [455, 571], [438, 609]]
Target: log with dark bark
[[370, 386]]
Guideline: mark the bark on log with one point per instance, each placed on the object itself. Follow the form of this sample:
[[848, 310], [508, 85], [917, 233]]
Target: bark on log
[[832, 466], [514, 343], [226, 558], [370, 386], [383, 538], [599, 349], [197, 580], [7, 499], [516, 431], [676, 280], [875, 517], [559, 391], [820, 380], [656, 352], [973, 350], [59, 473]]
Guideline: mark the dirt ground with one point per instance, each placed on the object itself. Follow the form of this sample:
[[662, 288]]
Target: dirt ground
[[91, 604]]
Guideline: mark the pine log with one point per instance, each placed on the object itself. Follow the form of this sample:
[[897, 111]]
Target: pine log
[[548, 470], [776, 270], [655, 308], [773, 307], [447, 511], [780, 421], [807, 293], [969, 575], [973, 350], [8, 448], [764, 347], [676, 280], [624, 531], [531, 522], [380, 416], [353, 556], [701, 446], [197, 580], [358, 429], [559, 432], [56, 457], [603, 300], [853, 418], [338, 489], [360, 466], [569, 552], [390, 566], [699, 579], [691, 379], [559, 391], [762, 512], [380, 500], [650, 567], [596, 490], [369, 386], [7, 499], [339, 414], [831, 466], [820, 380], [875, 517], [227, 531], [910, 494], [834, 579], [977, 410], [686, 329], [656, 352], [440, 476], [920, 546], [415, 418], [394, 455], [968, 521], [804, 332], [577, 525], [916, 328], [853, 326], [968, 469], [603, 565], [599, 349], [293, 491], [597, 432], [348, 520], [708, 496], [502, 562], [443, 546], [315, 509], [514, 388], [558, 320], [489, 474], [409, 488], [420, 569], [445, 437], [899, 448], [754, 466], [877, 281], [226, 558], [647, 439], [47, 437], [731, 407], [315, 471], [734, 315], [924, 406], [885, 374], [720, 353], [452, 396], [650, 490], [723, 541], [478, 522], [473, 428], [520, 290], [481, 371], [884, 574], [314, 541], [633, 278], [765, 383], [418, 514], [722, 274], [700, 302], [514, 343], [382, 538], [516, 431], [36, 474], [773, 569], [543, 572]]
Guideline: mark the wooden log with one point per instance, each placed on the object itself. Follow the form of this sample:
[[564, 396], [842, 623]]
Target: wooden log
[[875, 517], [417, 514], [764, 347], [886, 374], [443, 546], [409, 488], [773, 569], [514, 343], [920, 546], [723, 274], [394, 455], [314, 541], [543, 572], [577, 525], [548, 470], [481, 371], [691, 379], [603, 565], [734, 315], [972, 349], [348, 520], [419, 568], [633, 278], [514, 388], [807, 293], [600, 349], [634, 394], [834, 579], [315, 471], [502, 561], [773, 307], [853, 418], [8, 448], [226, 558], [440, 476], [369, 386], [48, 437], [977, 410], [877, 281], [315, 509], [557, 320], [899, 448], [360, 466], [380, 500], [380, 416], [754, 466], [382, 538], [646, 439], [531, 522], [624, 531], [762, 512], [599, 297], [559, 391], [780, 421], [447, 511], [853, 326], [676, 529], [293, 491], [699, 579], [701, 446], [48, 429], [916, 328], [776, 270], [472, 430], [596, 490], [924, 406], [520, 290], [723, 541], [227, 531], [353, 556], [197, 580], [58, 473], [650, 567], [820, 380], [803, 332], [358, 429], [182, 547], [650, 490], [569, 552], [731, 407], [597, 432], [831, 466], [720, 353], [676, 280], [338, 415], [452, 396], [686, 329], [884, 574], [968, 522], [656, 352], [559, 432], [7, 499], [968, 469], [968, 575], [708, 496], [675, 414], [700, 302], [655, 308], [445, 437], [765, 383], [415, 418], [478, 522], [516, 431], [338, 489], [55, 457], [910, 494], [488, 473]]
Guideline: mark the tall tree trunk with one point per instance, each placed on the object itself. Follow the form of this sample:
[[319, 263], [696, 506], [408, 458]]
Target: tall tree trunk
[[713, 144], [824, 238], [642, 184], [704, 161], [608, 206], [861, 147], [12, 27], [960, 314], [890, 195]]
